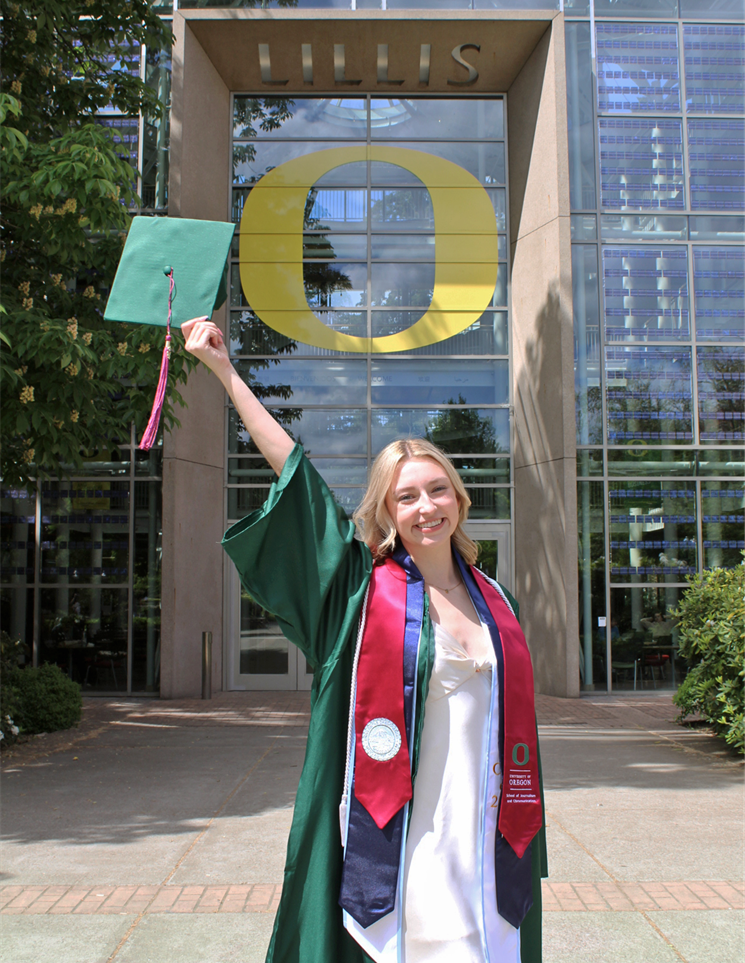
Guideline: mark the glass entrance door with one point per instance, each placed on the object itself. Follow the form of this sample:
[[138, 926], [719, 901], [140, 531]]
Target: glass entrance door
[[495, 555]]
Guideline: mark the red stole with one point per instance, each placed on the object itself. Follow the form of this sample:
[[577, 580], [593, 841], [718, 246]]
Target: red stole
[[383, 786]]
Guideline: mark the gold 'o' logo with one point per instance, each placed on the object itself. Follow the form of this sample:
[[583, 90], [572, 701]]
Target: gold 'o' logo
[[271, 249]]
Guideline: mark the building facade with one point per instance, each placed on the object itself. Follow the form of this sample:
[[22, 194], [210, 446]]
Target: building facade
[[518, 232]]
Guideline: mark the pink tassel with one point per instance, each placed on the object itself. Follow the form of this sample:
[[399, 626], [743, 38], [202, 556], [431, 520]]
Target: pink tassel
[[151, 431]]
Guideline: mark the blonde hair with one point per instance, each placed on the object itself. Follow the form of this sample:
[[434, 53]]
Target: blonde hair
[[372, 518]]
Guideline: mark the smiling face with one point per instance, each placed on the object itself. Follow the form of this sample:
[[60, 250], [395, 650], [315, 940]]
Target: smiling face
[[423, 505]]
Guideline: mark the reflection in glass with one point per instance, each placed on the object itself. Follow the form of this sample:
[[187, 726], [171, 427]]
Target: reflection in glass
[[484, 160], [653, 530], [395, 285], [719, 293], [455, 430], [148, 550], [85, 532], [637, 67], [644, 637], [645, 294], [307, 382], [84, 632], [335, 284], [666, 462], [421, 117], [591, 557], [406, 247], [320, 431], [252, 160], [336, 209], [721, 394], [488, 335], [646, 227], [648, 395], [404, 210], [477, 470], [587, 339], [716, 150], [411, 382], [723, 517], [17, 535], [584, 227], [307, 118], [489, 502], [243, 501], [641, 163], [722, 461], [263, 648], [347, 247], [637, 9], [712, 53], [589, 462], [705, 227], [156, 132], [17, 616]]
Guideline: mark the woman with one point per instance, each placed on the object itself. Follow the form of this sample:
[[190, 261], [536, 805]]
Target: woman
[[422, 697]]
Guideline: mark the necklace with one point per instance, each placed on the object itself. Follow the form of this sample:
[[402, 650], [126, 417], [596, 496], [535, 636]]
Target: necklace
[[447, 591]]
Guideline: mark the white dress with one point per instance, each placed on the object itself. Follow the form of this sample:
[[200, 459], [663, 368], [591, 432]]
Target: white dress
[[449, 897]]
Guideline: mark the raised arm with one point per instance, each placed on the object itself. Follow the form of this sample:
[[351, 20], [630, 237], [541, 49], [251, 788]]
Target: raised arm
[[205, 341]]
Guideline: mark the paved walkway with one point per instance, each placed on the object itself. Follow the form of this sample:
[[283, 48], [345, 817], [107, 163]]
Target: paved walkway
[[127, 838]]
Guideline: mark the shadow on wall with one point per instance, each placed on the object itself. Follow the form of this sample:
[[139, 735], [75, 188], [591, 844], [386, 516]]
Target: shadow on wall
[[545, 580]]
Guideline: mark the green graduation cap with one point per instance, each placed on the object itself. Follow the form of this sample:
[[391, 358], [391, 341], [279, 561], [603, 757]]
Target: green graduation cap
[[195, 251], [171, 270]]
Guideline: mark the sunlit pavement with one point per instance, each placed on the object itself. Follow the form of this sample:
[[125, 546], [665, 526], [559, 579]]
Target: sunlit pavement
[[156, 832]]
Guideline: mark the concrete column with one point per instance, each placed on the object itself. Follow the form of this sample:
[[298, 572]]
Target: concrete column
[[543, 366], [192, 599]]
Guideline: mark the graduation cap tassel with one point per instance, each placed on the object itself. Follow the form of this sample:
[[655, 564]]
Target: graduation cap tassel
[[151, 431]]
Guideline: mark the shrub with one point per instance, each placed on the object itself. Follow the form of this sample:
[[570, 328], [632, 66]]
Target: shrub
[[47, 699], [712, 639], [12, 652]]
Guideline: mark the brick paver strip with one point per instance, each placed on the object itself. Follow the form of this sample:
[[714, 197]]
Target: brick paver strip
[[603, 896]]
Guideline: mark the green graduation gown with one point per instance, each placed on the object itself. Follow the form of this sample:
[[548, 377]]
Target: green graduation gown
[[298, 558]]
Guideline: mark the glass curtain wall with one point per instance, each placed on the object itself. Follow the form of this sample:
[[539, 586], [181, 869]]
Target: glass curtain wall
[[657, 173], [369, 270], [81, 572]]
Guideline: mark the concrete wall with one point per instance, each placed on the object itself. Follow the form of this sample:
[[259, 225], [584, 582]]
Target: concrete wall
[[543, 366], [521, 53], [193, 456]]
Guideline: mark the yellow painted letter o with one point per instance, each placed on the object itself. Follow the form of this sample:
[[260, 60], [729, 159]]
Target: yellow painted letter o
[[465, 249]]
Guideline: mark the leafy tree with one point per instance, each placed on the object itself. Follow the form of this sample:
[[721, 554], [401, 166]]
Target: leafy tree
[[463, 429], [712, 638], [71, 384]]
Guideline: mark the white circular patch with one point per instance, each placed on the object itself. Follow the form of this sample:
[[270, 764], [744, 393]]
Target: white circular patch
[[381, 739]]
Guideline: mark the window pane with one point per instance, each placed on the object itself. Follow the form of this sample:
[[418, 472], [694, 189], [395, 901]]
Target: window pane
[[422, 382], [723, 511], [637, 9], [641, 163], [263, 648], [484, 160], [730, 463], [337, 284], [466, 430], [719, 293], [580, 116], [472, 118], [17, 534], [346, 247], [587, 341], [401, 285], [576, 8], [85, 532], [253, 159], [156, 131], [653, 530], [322, 432], [487, 336], [721, 391], [309, 382], [475, 470], [647, 461], [717, 160], [645, 294], [336, 209], [644, 638], [148, 536], [718, 9], [489, 502], [84, 631], [17, 617], [648, 395], [591, 558], [713, 66], [707, 228], [589, 462], [250, 336], [401, 210], [647, 227], [308, 118], [584, 227], [403, 247], [637, 68]]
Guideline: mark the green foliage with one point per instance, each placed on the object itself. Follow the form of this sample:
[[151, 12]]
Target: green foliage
[[71, 384], [712, 639], [48, 699], [12, 653]]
